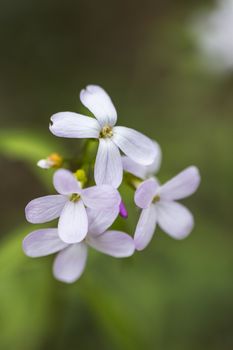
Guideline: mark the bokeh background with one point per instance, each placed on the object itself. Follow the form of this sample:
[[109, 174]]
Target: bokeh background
[[164, 65]]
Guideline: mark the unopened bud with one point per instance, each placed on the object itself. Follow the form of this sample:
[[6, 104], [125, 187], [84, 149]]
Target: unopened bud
[[81, 176], [122, 210], [54, 160]]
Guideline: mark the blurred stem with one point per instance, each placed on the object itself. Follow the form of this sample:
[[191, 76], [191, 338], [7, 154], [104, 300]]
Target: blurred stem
[[132, 181], [89, 151]]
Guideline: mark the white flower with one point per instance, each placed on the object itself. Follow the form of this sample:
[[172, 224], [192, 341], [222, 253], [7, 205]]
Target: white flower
[[108, 165], [70, 205], [158, 204], [71, 259], [215, 34], [143, 171]]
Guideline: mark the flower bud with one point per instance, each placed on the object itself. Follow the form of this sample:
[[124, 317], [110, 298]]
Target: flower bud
[[54, 160]]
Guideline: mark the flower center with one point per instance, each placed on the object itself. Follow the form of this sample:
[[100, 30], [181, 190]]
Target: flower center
[[74, 197], [156, 199], [106, 132]]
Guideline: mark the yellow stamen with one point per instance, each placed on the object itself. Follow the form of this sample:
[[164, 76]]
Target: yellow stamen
[[156, 199], [106, 132]]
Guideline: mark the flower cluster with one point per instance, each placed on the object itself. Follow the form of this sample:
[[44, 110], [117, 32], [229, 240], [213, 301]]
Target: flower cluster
[[85, 213]]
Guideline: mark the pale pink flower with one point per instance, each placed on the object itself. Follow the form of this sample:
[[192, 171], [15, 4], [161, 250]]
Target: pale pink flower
[[71, 259], [112, 139], [70, 205], [159, 206]]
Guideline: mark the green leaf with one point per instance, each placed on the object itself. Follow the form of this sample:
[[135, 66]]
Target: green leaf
[[26, 296], [27, 145]]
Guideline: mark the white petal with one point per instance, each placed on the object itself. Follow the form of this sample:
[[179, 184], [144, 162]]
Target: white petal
[[146, 227], [101, 197], [100, 104], [100, 220], [145, 193], [69, 264], [114, 243], [65, 182], [108, 165], [130, 166], [153, 168], [174, 219], [143, 171], [44, 163], [73, 125], [73, 223], [135, 145], [42, 242], [45, 208], [182, 185]]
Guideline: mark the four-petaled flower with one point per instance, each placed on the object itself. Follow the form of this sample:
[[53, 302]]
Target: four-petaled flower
[[70, 205], [108, 165], [159, 206], [71, 259]]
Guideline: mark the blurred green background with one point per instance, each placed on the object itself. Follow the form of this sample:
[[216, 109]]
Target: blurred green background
[[173, 295]]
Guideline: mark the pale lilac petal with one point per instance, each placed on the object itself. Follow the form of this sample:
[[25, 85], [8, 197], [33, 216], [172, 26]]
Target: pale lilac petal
[[135, 145], [145, 193], [65, 182], [73, 125], [101, 197], [155, 166], [73, 223], [146, 227], [69, 264], [175, 219], [143, 171], [114, 243], [100, 104], [108, 165], [45, 208], [130, 166], [42, 242], [100, 220], [182, 185]]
